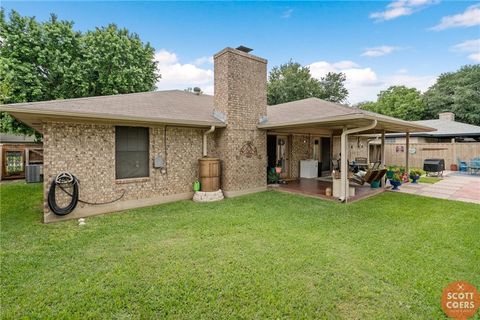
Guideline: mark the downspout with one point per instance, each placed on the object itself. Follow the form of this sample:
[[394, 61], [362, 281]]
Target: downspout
[[344, 151], [212, 128]]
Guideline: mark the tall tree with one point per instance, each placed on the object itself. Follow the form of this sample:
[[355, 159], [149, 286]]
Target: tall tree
[[292, 81], [399, 102], [458, 92], [49, 60], [333, 88]]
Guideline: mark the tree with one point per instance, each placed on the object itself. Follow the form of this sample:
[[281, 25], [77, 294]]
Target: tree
[[49, 60], [333, 88], [458, 92], [399, 102], [290, 82]]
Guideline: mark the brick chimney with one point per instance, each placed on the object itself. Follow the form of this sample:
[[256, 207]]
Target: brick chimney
[[241, 99], [449, 116]]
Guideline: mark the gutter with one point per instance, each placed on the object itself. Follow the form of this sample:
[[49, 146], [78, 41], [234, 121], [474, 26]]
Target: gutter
[[107, 116], [212, 128]]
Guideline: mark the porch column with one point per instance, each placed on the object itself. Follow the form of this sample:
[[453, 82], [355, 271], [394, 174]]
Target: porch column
[[343, 165], [382, 151], [407, 147]]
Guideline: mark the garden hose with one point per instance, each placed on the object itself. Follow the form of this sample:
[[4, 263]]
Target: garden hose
[[62, 180]]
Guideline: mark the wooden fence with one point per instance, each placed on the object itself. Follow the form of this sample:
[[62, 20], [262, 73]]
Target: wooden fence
[[450, 152]]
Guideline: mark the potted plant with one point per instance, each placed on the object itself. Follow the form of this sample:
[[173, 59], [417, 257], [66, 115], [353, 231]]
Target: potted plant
[[415, 175], [273, 177], [396, 180], [390, 172]]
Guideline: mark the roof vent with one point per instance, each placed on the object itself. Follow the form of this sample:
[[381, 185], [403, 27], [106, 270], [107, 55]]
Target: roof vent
[[244, 49]]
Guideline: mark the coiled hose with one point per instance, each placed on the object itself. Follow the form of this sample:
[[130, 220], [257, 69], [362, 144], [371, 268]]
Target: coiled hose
[[62, 180]]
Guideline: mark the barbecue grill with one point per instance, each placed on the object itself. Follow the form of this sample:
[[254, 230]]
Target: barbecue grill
[[434, 166]]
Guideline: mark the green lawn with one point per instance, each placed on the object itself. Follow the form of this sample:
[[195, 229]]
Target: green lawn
[[425, 179], [268, 255]]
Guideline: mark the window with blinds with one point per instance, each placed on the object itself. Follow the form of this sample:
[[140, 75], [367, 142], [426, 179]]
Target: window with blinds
[[131, 152]]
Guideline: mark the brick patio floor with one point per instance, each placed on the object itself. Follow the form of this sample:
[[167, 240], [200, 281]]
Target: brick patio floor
[[454, 186]]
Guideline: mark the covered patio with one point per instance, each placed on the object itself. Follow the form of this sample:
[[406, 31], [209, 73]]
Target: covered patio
[[316, 188], [303, 128]]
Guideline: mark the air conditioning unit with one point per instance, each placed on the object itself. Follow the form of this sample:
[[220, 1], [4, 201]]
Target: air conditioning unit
[[33, 173]]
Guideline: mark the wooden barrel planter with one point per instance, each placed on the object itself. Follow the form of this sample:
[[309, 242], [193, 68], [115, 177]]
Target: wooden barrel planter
[[209, 171]]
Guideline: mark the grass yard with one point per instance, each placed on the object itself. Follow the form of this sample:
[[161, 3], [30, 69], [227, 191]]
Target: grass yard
[[268, 255], [431, 180]]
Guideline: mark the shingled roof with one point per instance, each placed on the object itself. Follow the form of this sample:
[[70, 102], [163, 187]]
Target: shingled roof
[[178, 107], [168, 107], [318, 112], [446, 128]]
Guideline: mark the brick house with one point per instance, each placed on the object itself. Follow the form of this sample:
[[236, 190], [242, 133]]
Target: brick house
[[110, 143]]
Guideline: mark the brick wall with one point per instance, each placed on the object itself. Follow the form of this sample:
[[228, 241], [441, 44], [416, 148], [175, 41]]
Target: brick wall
[[88, 151], [241, 94], [300, 151]]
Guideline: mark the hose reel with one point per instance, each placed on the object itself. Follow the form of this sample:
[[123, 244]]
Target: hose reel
[[64, 180]]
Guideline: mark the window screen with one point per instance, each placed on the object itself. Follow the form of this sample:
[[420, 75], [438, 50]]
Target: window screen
[[131, 152]]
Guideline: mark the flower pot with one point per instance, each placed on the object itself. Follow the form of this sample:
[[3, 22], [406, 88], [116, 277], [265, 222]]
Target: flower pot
[[390, 174], [395, 184], [375, 184], [414, 178], [278, 169], [454, 167]]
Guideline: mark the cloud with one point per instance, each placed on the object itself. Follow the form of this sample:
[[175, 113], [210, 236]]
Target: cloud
[[176, 75], [363, 83], [378, 51], [469, 18], [469, 46], [287, 13], [401, 8], [203, 60], [475, 57]]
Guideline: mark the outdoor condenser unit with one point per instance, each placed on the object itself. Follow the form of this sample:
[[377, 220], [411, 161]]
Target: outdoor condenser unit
[[33, 173]]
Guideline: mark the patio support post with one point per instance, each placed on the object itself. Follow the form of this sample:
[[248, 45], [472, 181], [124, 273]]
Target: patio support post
[[382, 148], [344, 158], [407, 147]]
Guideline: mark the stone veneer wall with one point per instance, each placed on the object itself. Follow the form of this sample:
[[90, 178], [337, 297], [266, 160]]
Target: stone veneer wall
[[241, 94], [353, 150], [88, 152], [300, 145]]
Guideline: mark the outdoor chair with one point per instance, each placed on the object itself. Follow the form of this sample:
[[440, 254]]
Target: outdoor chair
[[462, 165], [475, 166]]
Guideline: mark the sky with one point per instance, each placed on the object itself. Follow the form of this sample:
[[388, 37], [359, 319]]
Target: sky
[[375, 43]]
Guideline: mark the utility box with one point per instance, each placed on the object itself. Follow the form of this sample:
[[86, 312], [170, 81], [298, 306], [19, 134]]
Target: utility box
[[33, 173]]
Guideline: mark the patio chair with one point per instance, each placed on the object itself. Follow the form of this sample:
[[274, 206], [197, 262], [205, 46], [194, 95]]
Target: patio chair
[[462, 165], [475, 166]]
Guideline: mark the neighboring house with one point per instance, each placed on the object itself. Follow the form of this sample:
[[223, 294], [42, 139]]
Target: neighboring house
[[144, 148], [452, 141], [447, 130], [16, 152]]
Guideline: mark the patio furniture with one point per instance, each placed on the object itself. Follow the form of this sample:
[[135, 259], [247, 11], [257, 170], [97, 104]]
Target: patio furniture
[[462, 165], [436, 166], [361, 163], [475, 166]]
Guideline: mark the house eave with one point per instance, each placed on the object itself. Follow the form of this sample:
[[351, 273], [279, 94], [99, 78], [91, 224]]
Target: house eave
[[34, 117]]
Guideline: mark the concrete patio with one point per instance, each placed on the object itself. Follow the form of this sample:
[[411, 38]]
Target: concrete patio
[[454, 186]]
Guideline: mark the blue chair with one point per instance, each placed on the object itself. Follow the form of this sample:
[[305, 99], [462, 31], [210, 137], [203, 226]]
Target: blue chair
[[475, 165], [462, 166]]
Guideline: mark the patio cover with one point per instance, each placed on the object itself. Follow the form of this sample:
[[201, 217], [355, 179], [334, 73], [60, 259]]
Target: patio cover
[[310, 114]]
